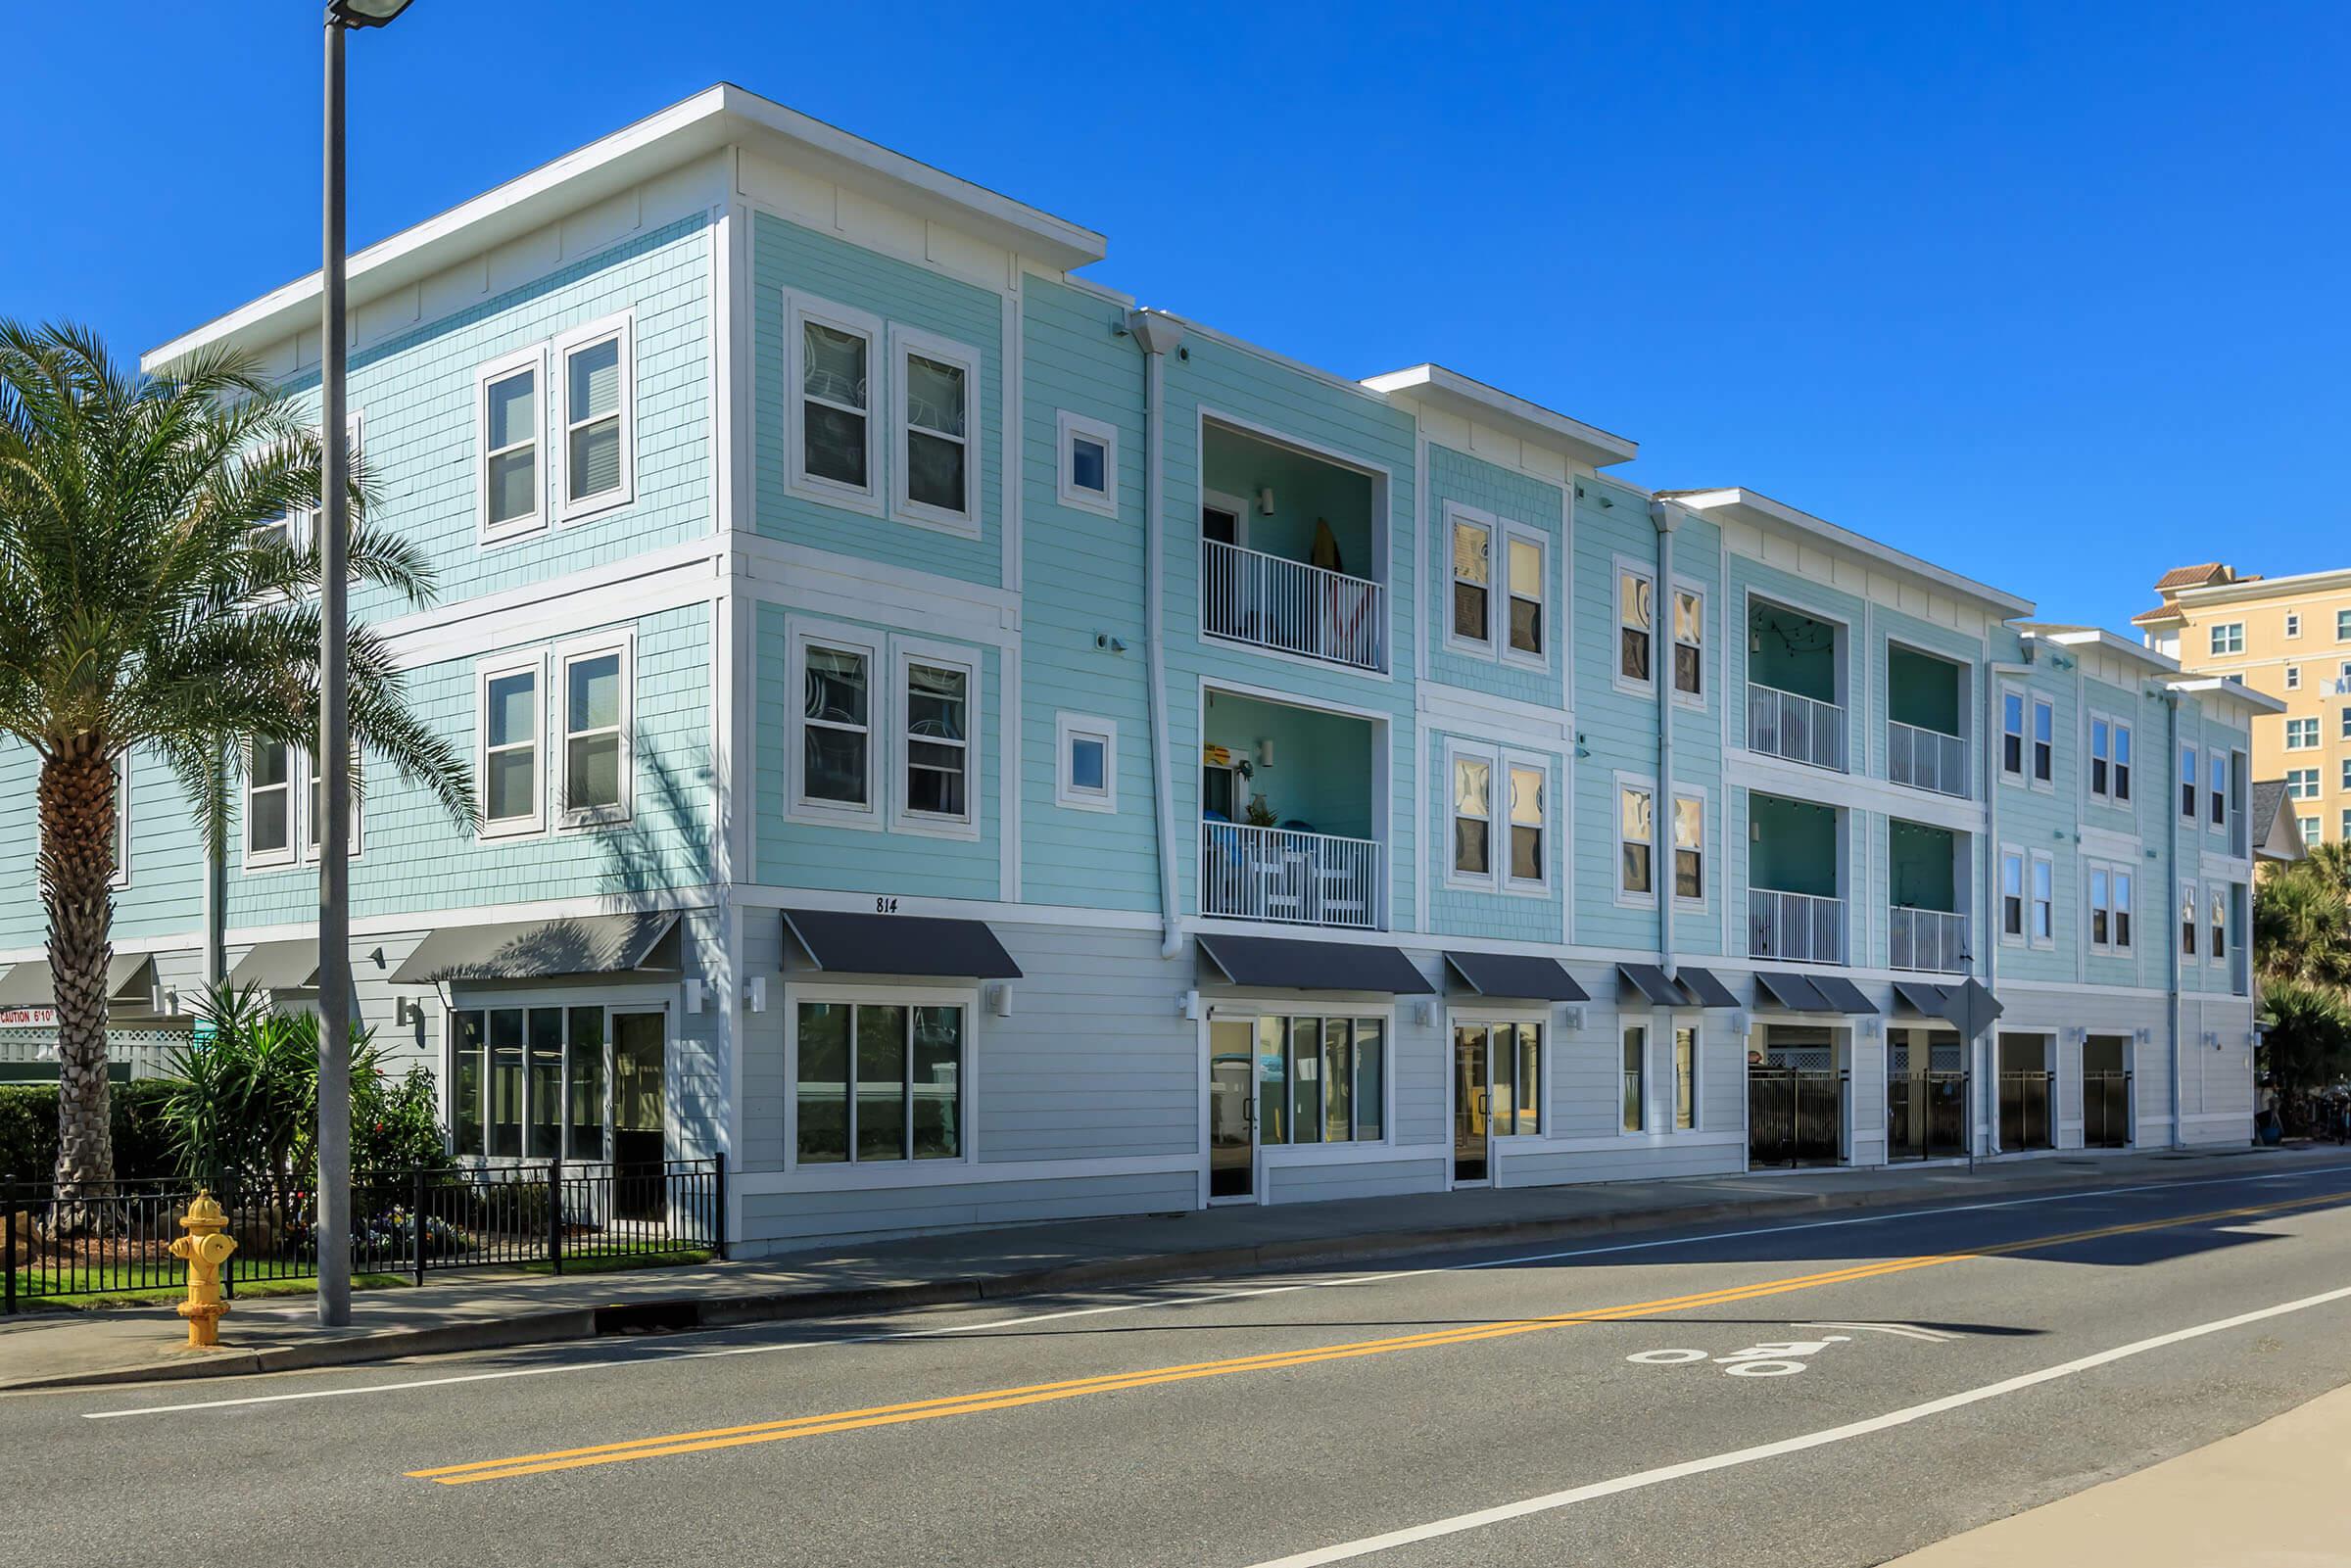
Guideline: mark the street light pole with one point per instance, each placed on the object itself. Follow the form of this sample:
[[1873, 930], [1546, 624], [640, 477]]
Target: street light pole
[[333, 1203]]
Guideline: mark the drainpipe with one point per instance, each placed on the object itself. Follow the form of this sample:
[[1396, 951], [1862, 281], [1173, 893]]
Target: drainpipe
[[1660, 620], [2171, 895], [1988, 1090], [1155, 335]]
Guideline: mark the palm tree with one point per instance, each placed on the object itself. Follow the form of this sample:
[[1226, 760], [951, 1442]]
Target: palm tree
[[2302, 921], [148, 607]]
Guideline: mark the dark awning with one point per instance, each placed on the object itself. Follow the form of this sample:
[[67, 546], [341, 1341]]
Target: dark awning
[[1315, 966], [1538, 979], [532, 950], [1922, 997], [1790, 991], [849, 944], [1843, 994], [279, 967], [1705, 987], [129, 978]]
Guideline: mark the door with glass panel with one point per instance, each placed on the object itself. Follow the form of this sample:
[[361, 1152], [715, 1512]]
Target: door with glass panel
[[639, 1143], [1496, 1092], [1278, 1080], [1232, 1110]]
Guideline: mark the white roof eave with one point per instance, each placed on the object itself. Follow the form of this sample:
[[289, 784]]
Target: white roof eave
[[1451, 392], [1763, 511]]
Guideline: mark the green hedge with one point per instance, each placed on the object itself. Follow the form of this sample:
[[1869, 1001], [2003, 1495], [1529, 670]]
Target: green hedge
[[28, 1129]]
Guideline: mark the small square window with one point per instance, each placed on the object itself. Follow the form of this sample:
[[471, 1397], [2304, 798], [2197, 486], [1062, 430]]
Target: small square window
[[1086, 775], [1090, 464]]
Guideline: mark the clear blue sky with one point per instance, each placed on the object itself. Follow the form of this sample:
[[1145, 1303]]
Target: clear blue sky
[[2057, 300]]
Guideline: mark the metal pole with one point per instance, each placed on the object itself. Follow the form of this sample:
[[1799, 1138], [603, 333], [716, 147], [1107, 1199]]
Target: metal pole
[[334, 744]]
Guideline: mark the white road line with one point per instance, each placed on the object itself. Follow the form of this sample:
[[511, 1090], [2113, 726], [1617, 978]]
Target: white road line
[[1908, 1331], [1207, 1297], [1550, 1502]]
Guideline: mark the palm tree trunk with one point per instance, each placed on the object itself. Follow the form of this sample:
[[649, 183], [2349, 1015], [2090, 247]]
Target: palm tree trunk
[[77, 871]]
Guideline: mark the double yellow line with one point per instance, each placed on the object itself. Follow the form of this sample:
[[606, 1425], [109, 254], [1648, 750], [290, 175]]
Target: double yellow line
[[809, 1426]]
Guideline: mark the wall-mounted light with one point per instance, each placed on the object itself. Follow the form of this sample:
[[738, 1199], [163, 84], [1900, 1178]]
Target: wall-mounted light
[[1425, 1012], [999, 998], [1108, 644], [2144, 1036], [754, 993], [1188, 1004], [1572, 1017], [1264, 752], [694, 996], [1265, 501]]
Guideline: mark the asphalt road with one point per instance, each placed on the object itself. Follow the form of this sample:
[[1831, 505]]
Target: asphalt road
[[1819, 1394]]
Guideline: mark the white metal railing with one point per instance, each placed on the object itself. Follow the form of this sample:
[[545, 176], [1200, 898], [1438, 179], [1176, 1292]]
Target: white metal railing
[[1930, 939], [1798, 728], [1278, 873], [1926, 759], [1250, 597], [1801, 927]]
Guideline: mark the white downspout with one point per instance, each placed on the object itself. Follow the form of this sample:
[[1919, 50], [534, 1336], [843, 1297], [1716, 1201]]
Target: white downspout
[[1157, 334], [1985, 1100], [1660, 665]]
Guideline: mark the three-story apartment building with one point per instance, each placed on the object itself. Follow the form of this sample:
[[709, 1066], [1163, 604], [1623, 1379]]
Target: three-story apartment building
[[972, 750]]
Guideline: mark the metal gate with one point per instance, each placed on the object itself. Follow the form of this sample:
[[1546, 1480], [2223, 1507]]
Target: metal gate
[[2024, 1110], [2105, 1109], [1795, 1117], [1926, 1116]]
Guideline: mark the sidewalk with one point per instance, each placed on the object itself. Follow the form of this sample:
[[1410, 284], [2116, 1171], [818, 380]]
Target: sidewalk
[[2269, 1498], [487, 1310]]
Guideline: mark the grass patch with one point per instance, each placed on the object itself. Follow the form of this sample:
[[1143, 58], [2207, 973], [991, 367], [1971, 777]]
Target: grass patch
[[109, 1287]]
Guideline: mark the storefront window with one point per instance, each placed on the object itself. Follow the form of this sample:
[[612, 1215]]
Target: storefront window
[[531, 1082], [879, 1082], [1320, 1080]]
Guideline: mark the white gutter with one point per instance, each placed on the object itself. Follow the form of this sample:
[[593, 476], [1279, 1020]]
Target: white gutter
[[1156, 334], [1661, 641]]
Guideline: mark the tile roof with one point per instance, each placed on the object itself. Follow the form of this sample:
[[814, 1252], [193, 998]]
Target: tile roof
[[2194, 575]]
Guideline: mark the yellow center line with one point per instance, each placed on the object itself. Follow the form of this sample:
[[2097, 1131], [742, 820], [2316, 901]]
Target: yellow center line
[[1275, 1360]]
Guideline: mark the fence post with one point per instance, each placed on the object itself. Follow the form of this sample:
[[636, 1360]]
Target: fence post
[[555, 1210], [718, 1216], [417, 1225], [7, 1205]]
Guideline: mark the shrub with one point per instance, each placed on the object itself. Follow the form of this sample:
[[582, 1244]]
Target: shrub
[[142, 1134]]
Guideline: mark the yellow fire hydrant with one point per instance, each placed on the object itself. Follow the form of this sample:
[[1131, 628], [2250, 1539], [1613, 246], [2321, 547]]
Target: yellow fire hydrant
[[204, 1249]]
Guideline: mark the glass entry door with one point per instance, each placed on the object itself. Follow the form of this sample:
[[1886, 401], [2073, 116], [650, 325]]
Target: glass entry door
[[638, 1143], [1232, 1110], [1473, 1105]]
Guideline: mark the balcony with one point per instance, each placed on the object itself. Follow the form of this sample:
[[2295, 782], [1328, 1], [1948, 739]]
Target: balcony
[[1801, 729], [1247, 596], [1281, 874], [1932, 940], [1292, 551], [1926, 759], [1795, 928]]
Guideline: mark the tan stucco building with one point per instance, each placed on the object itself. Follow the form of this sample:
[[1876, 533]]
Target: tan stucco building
[[2289, 637]]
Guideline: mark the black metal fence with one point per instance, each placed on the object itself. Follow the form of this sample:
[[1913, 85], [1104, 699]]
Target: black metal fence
[[115, 1238], [2024, 1110], [1926, 1116], [1795, 1117], [2105, 1109]]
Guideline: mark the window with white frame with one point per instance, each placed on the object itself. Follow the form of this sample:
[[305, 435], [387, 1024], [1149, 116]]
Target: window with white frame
[[2293, 624], [2228, 636], [2220, 792], [315, 806], [1689, 849], [2109, 760], [833, 451], [1322, 1080], [2045, 900], [1685, 1079], [508, 763], [268, 803], [2344, 783], [2100, 740], [1635, 625], [2044, 741], [1090, 464], [508, 411], [2311, 830], [1087, 778], [119, 856], [2187, 783], [2342, 626], [2188, 919], [1527, 576], [2302, 734], [2346, 828], [1472, 818], [2012, 895], [878, 1082], [595, 375], [1514, 1054], [2012, 734], [1689, 643], [836, 727], [2110, 892], [938, 734], [2294, 678], [2301, 784], [1636, 841], [939, 424], [2347, 722], [1529, 864], [1472, 578], [532, 1082], [1633, 1092], [2219, 925], [598, 765]]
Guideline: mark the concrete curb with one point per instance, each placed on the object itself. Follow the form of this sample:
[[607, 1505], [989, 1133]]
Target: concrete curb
[[685, 1313]]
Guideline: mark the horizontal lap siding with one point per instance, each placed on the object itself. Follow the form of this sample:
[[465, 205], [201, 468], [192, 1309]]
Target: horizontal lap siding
[[1514, 497], [1490, 911], [1618, 727], [788, 257], [1081, 576]]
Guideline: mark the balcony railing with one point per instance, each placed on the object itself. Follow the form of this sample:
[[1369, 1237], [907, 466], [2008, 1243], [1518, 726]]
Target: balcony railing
[[1800, 927], [1278, 873], [1926, 759], [1930, 939], [1801, 729], [1250, 597]]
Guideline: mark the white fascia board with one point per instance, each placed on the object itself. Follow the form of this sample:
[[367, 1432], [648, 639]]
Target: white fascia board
[[1449, 391], [2261, 588], [2221, 686], [2123, 647], [1764, 512], [715, 118]]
